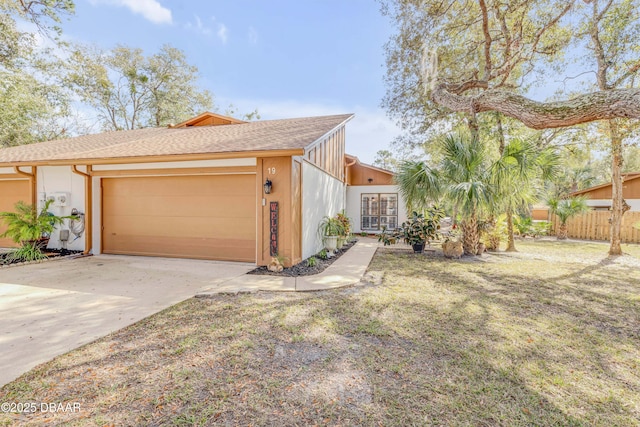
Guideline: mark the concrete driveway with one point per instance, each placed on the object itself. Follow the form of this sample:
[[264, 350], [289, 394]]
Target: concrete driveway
[[50, 308]]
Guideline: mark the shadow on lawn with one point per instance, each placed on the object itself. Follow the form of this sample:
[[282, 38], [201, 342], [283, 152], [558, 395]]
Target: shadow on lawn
[[573, 336], [439, 343]]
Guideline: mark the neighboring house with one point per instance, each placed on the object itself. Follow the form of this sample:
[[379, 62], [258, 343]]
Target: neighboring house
[[196, 189], [373, 200], [540, 212], [599, 197]]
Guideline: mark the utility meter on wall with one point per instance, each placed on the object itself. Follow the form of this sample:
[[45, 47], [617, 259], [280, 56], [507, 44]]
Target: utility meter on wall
[[59, 199]]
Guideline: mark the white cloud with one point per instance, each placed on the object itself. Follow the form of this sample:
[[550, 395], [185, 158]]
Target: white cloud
[[369, 131], [253, 35], [199, 27], [151, 10], [223, 32]]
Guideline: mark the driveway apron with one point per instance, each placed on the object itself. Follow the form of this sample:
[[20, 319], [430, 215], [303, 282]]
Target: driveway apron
[[51, 308]]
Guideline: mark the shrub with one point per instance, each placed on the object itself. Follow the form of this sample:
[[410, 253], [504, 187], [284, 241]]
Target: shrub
[[27, 226], [418, 229]]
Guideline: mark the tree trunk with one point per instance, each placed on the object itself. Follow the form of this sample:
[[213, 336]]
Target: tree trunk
[[470, 236], [511, 244], [616, 189], [562, 231]]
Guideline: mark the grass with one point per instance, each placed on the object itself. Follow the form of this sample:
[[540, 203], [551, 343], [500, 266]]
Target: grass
[[547, 336]]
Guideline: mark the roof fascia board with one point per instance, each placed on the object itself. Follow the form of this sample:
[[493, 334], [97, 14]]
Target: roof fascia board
[[333, 130], [206, 114], [598, 187], [159, 159]]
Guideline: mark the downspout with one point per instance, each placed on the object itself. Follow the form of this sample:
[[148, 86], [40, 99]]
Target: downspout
[[88, 203], [346, 171], [32, 181]]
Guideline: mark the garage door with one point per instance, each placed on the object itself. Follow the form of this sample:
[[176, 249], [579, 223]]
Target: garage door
[[207, 217], [11, 192]]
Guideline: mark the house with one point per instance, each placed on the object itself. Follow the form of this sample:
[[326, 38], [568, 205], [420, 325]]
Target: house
[[599, 197], [373, 200], [212, 187], [540, 212]]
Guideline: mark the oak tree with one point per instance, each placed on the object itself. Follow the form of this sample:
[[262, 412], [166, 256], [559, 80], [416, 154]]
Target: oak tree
[[474, 56], [129, 90]]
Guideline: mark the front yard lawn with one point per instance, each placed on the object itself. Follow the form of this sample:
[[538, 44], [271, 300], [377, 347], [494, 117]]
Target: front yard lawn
[[546, 336]]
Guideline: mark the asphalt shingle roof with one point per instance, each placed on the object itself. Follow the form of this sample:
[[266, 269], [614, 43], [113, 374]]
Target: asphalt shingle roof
[[267, 135]]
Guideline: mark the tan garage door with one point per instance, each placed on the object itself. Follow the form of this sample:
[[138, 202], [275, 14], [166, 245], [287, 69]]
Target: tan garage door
[[11, 192], [207, 217]]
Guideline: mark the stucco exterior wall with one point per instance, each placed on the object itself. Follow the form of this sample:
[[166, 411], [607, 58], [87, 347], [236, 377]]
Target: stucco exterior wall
[[322, 195], [54, 179], [354, 196], [634, 203]]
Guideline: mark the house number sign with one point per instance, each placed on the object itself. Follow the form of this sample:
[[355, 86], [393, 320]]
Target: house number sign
[[273, 228]]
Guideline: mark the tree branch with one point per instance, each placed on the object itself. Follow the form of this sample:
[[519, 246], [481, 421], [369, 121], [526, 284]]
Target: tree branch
[[487, 40], [461, 88], [602, 105]]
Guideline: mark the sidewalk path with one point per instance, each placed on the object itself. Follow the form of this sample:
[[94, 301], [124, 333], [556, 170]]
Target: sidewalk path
[[345, 271]]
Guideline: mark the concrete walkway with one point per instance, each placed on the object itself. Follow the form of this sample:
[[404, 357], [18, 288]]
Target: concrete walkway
[[346, 270]]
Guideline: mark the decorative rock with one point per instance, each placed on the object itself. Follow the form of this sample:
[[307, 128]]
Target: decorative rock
[[481, 248], [275, 266], [452, 249]]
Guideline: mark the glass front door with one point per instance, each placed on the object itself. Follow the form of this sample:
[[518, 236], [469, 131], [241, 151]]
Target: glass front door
[[379, 210]]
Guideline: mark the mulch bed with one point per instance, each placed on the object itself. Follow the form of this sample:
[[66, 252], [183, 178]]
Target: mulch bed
[[302, 269], [5, 257]]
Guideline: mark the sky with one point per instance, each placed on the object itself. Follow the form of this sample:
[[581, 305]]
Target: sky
[[287, 58]]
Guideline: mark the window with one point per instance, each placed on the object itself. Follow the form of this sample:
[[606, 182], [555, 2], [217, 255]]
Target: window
[[379, 210]]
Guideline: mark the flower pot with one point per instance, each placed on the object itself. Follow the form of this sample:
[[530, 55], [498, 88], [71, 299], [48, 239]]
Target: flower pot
[[330, 243], [341, 241], [418, 248]]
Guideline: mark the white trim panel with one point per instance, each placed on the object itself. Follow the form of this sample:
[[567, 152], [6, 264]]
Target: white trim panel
[[634, 203], [250, 161]]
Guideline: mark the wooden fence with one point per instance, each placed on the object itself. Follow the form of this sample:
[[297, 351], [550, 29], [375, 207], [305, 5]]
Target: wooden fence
[[594, 225]]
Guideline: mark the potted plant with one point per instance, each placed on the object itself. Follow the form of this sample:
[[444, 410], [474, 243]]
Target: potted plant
[[329, 229], [417, 231], [30, 228], [346, 227]]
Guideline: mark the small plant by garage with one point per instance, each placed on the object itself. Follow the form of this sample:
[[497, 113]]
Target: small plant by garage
[[31, 229]]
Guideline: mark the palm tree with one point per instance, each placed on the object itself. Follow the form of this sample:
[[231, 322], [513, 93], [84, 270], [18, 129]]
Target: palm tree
[[572, 179], [565, 209], [418, 184], [515, 176], [465, 169], [462, 178]]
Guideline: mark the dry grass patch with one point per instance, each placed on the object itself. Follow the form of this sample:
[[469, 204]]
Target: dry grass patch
[[546, 336]]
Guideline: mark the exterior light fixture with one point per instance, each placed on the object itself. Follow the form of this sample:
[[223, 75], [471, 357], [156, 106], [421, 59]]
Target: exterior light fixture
[[370, 180], [267, 186]]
